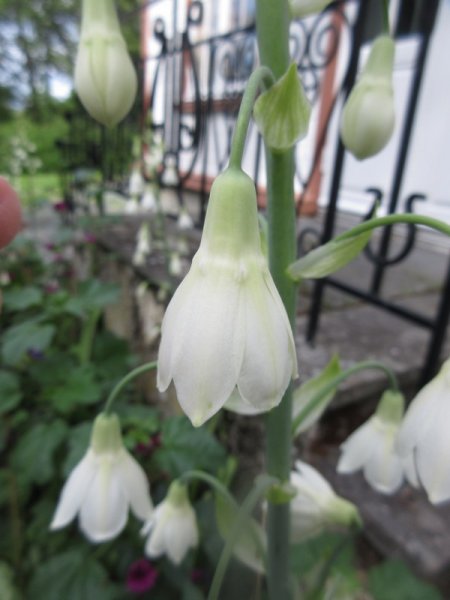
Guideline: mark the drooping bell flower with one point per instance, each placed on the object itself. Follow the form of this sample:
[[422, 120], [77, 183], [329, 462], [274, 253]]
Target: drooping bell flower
[[372, 447], [172, 528], [316, 507], [424, 436], [226, 325], [103, 486], [368, 117], [105, 78]]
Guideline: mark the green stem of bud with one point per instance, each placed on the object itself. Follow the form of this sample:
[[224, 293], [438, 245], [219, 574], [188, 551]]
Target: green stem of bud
[[123, 382], [391, 220], [261, 77], [316, 400], [386, 26]]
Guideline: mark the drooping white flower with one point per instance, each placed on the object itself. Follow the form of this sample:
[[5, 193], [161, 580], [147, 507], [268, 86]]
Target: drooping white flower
[[316, 507], [105, 78], [143, 245], [102, 487], [368, 117], [372, 446], [136, 184], [185, 220], [424, 436], [226, 325], [172, 529]]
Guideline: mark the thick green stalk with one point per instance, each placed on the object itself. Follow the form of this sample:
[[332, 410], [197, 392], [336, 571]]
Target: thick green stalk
[[272, 23]]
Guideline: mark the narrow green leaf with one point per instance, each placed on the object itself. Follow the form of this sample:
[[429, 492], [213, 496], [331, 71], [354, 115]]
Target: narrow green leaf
[[327, 259], [251, 543], [303, 395]]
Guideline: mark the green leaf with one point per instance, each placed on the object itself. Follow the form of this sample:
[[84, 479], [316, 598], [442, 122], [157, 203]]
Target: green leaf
[[10, 392], [26, 336], [251, 544], [330, 257], [184, 447], [22, 298], [92, 294], [72, 575], [78, 389], [137, 415], [282, 112], [393, 580], [79, 438], [33, 457], [312, 554], [309, 390]]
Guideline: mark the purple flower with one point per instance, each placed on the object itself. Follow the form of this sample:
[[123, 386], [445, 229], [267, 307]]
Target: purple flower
[[142, 576], [89, 237], [35, 354], [60, 207]]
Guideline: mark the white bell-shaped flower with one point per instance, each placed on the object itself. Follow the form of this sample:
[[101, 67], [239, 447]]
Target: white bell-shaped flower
[[226, 325], [424, 436], [105, 78], [316, 507], [143, 245], [372, 447], [172, 529], [102, 487], [368, 117]]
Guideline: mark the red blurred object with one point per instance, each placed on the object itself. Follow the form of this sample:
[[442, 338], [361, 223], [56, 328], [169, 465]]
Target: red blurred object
[[10, 213]]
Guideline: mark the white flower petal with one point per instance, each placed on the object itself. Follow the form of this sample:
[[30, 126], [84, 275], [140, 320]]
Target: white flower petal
[[104, 511], [74, 491], [135, 485], [180, 535], [156, 543], [236, 403], [433, 456], [384, 470], [308, 480], [205, 354], [358, 447], [269, 359], [410, 469], [420, 416]]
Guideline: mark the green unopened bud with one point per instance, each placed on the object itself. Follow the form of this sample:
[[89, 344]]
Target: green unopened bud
[[368, 117], [282, 113], [106, 435], [303, 8], [343, 513], [105, 79]]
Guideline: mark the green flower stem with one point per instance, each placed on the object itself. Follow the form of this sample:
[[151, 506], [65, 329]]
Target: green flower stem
[[263, 483], [262, 76], [272, 27], [392, 220], [123, 382], [210, 480], [316, 400], [87, 336]]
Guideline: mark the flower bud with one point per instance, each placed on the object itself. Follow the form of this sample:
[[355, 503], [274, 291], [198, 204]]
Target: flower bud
[[105, 79], [368, 117], [282, 113]]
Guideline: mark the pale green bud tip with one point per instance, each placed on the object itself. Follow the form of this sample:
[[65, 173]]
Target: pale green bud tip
[[282, 113], [231, 225], [343, 512], [106, 435], [381, 58], [391, 407], [177, 494]]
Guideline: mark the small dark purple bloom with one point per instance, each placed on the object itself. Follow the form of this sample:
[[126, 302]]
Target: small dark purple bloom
[[153, 443], [35, 354], [89, 237], [141, 576], [60, 207]]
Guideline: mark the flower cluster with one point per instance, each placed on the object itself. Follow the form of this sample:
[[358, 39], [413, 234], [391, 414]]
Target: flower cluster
[[391, 447]]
